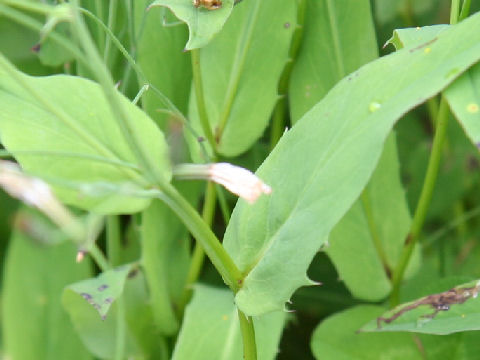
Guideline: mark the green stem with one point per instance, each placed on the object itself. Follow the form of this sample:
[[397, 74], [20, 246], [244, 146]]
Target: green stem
[[113, 249], [424, 200], [204, 235], [454, 12], [98, 257], [198, 256], [248, 336], [112, 16], [199, 94], [223, 204], [99, 12], [113, 239]]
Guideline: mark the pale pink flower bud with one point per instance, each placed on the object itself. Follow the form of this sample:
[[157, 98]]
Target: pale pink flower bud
[[237, 180]]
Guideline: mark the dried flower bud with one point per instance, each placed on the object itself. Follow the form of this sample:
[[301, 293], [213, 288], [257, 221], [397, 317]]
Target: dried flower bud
[[237, 180], [35, 192]]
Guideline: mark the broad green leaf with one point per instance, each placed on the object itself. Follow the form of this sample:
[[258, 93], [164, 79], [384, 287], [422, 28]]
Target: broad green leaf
[[464, 99], [203, 23], [165, 259], [211, 329], [337, 338], [71, 138], [240, 77], [338, 38], [381, 216], [34, 325], [322, 164], [160, 55], [87, 302], [420, 316]]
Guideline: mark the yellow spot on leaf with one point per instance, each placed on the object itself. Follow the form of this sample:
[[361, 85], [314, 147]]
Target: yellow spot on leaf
[[472, 108], [225, 317], [427, 50]]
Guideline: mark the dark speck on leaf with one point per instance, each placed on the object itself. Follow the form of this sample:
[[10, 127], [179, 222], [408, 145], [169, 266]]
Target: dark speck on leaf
[[86, 296], [286, 25], [200, 139], [108, 300], [102, 287], [36, 48]]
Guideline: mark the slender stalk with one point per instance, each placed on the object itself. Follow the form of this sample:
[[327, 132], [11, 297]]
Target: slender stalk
[[199, 94], [428, 184], [113, 249], [424, 200], [454, 12], [112, 16], [98, 257], [99, 11], [113, 239], [198, 256], [204, 235], [223, 204], [248, 336]]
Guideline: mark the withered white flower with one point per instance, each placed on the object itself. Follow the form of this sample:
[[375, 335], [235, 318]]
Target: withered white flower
[[237, 180], [34, 192]]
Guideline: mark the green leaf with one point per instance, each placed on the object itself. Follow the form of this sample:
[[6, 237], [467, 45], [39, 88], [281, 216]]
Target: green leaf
[[338, 38], [67, 134], [165, 260], [87, 302], [464, 99], [211, 329], [203, 24], [462, 95], [415, 36], [102, 291], [322, 164], [378, 223], [419, 316], [240, 78], [337, 338], [50, 53], [160, 55], [34, 325]]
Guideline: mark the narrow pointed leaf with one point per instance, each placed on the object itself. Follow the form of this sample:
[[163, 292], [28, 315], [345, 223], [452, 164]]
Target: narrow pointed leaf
[[240, 78], [319, 168], [211, 329], [458, 310], [203, 23], [71, 138], [337, 338], [462, 95]]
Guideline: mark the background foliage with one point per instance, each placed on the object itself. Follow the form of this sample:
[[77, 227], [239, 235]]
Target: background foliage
[[345, 130]]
